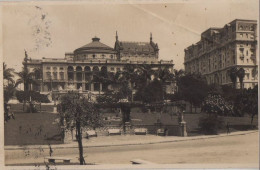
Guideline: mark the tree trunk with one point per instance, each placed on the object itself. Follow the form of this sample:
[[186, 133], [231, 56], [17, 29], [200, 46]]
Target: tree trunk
[[23, 104], [252, 118], [40, 106], [30, 98], [190, 107], [79, 139], [241, 84]]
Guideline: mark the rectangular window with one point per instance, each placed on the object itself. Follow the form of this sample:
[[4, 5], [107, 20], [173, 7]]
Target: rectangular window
[[55, 75], [96, 86], [61, 75], [48, 68], [247, 76], [48, 75], [61, 68], [118, 69], [112, 69]]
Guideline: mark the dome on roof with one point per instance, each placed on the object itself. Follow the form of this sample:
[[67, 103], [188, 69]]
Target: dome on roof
[[94, 47]]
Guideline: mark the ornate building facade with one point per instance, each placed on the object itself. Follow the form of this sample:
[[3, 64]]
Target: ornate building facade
[[73, 72], [220, 49]]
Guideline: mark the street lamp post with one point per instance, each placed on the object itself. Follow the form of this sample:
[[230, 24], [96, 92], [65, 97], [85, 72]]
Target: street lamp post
[[54, 96]]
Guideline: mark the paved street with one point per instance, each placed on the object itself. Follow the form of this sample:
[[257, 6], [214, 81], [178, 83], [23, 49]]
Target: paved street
[[237, 149]]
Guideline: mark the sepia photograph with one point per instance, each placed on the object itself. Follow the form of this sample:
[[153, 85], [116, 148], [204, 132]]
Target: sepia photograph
[[129, 84]]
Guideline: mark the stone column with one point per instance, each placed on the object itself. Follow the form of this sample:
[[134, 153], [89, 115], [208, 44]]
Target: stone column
[[74, 76], [42, 89], [182, 125], [66, 86], [84, 86], [92, 87], [183, 129], [100, 86]]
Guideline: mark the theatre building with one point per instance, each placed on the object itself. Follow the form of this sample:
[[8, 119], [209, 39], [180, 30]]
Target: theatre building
[[73, 72]]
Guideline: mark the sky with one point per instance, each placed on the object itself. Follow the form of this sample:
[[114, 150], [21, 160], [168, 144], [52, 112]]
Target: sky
[[50, 30]]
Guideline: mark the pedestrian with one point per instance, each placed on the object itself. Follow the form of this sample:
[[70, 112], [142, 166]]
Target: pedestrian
[[20, 129], [228, 128], [165, 132], [51, 151]]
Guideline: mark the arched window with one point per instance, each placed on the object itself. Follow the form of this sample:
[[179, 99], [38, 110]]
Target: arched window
[[104, 69], [70, 68], [79, 73], [95, 69], [37, 74], [78, 68], [70, 73], [88, 76], [87, 68]]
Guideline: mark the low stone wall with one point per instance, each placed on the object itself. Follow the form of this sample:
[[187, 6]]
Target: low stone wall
[[172, 130]]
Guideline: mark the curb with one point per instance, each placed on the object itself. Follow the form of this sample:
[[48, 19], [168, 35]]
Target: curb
[[132, 144]]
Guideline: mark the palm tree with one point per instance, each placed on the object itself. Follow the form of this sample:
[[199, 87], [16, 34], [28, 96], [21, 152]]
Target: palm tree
[[38, 75], [233, 75], [130, 76], [26, 78], [9, 88], [143, 74], [177, 75], [241, 75], [165, 76], [7, 73], [122, 83]]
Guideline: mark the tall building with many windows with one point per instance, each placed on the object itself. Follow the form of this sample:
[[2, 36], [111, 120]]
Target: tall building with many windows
[[220, 49], [74, 71]]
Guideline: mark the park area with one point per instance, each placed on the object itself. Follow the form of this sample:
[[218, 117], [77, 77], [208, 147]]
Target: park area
[[43, 127]]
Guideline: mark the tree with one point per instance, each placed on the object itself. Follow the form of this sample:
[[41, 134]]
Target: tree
[[164, 75], [247, 103], [122, 82], [233, 75], [193, 88], [130, 76], [7, 73], [26, 78], [9, 92], [177, 75], [10, 87], [216, 104], [153, 92], [241, 74], [76, 111]]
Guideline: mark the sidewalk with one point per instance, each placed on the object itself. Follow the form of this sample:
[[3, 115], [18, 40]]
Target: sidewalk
[[106, 141]]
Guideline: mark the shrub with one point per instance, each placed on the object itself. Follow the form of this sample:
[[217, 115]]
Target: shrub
[[210, 124], [36, 96], [31, 108]]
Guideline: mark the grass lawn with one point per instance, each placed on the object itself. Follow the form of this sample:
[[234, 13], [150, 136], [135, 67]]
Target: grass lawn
[[42, 128], [32, 128], [236, 123], [19, 107]]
